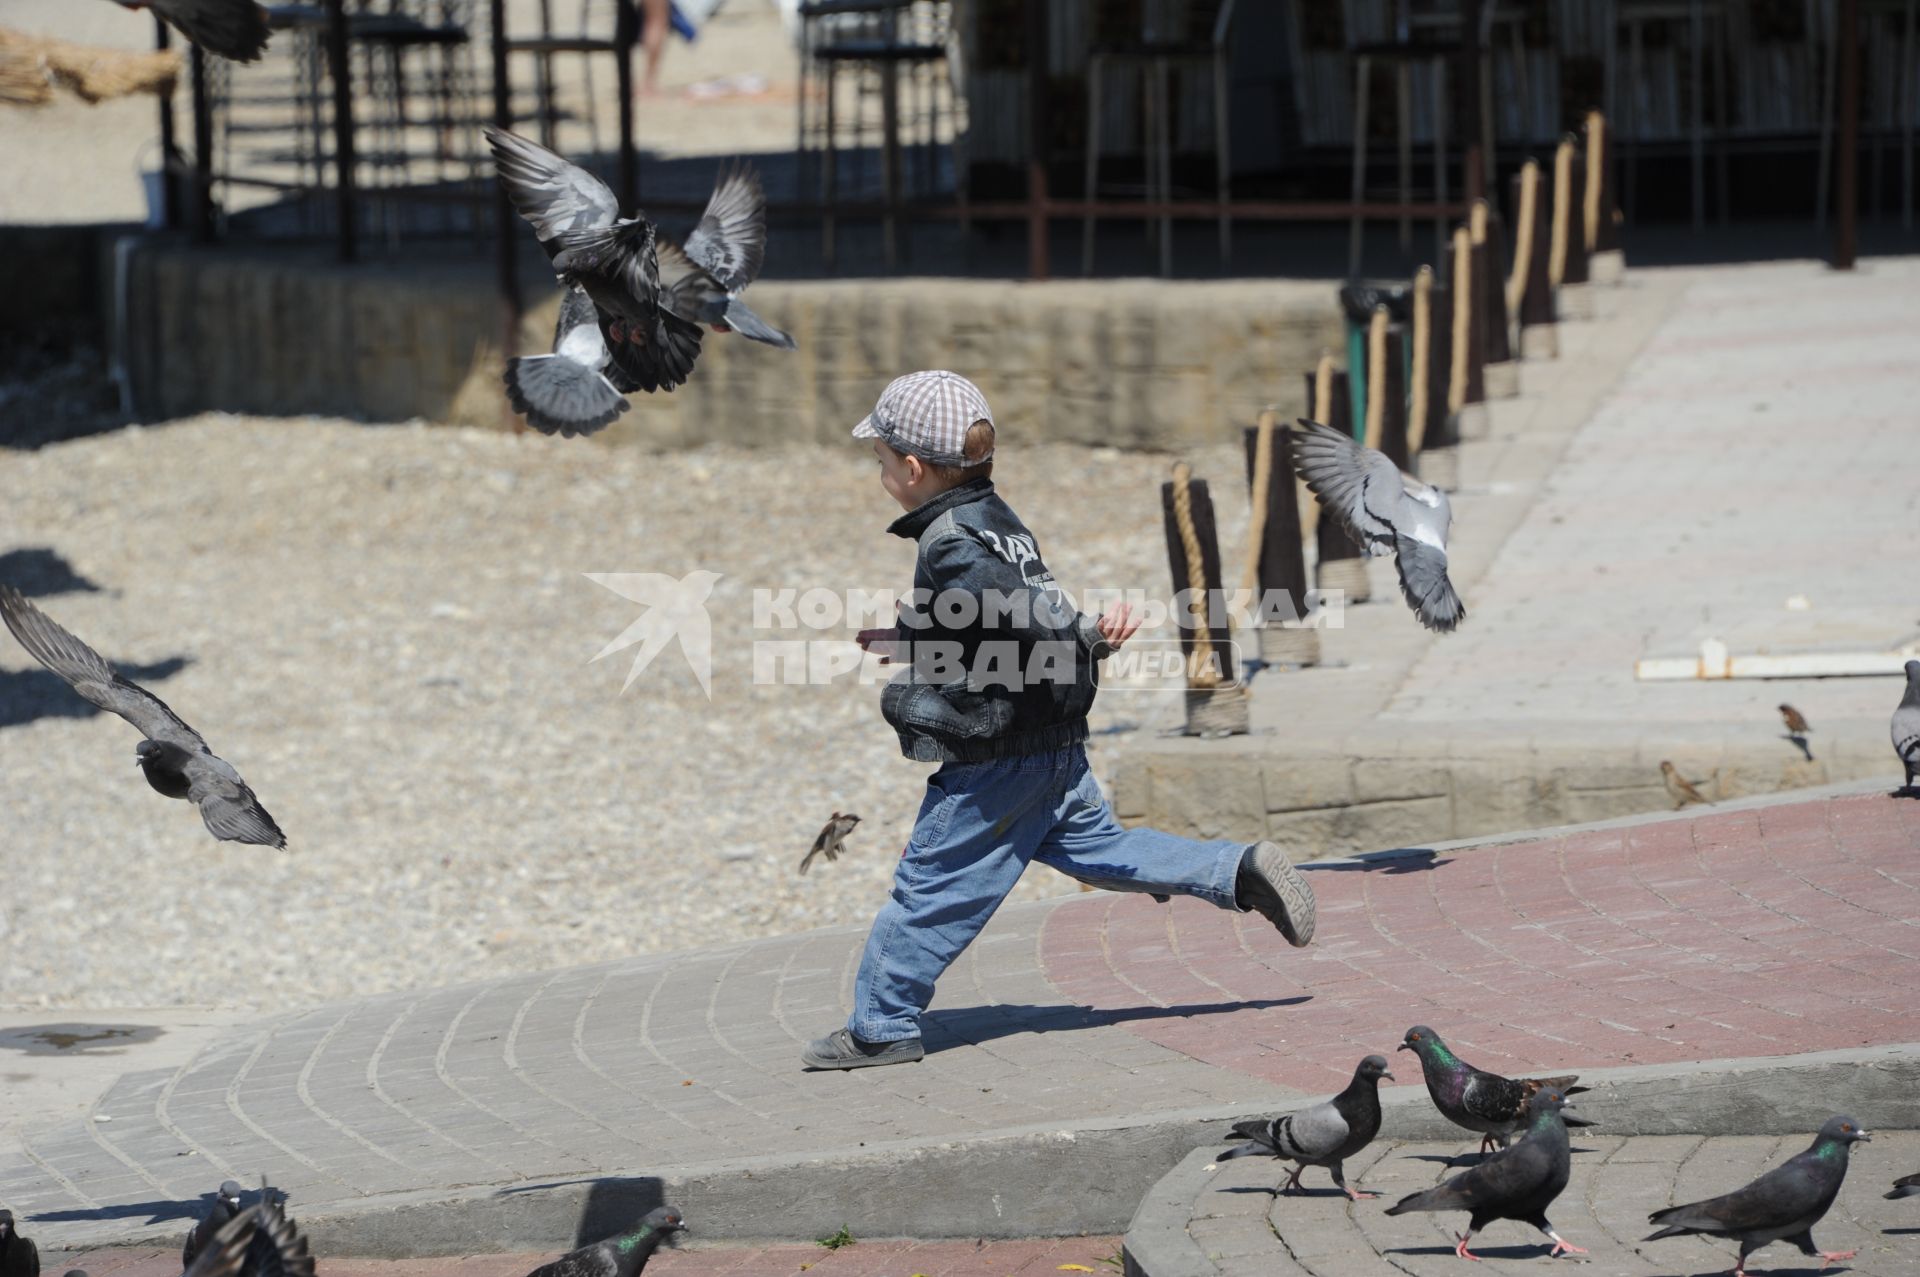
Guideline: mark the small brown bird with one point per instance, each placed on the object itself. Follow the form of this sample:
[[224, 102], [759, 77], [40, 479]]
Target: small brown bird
[[1680, 787], [832, 839], [1796, 721]]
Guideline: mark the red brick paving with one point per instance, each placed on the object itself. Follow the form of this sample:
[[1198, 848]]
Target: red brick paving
[[865, 1259], [1773, 931]]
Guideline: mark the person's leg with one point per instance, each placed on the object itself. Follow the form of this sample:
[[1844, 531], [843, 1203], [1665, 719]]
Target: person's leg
[[655, 20], [977, 828], [1088, 844]]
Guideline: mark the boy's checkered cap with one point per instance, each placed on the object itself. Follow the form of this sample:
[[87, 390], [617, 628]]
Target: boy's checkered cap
[[927, 414]]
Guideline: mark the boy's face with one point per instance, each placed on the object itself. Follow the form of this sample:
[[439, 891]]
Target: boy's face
[[905, 477]]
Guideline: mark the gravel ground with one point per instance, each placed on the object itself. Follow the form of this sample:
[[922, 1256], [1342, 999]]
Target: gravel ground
[[387, 628]]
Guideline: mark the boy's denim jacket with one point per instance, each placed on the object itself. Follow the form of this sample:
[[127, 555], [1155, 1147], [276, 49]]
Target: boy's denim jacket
[[999, 663]]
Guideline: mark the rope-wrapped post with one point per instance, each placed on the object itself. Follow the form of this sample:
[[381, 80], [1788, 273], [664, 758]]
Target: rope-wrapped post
[[1433, 438], [1529, 294], [1606, 262], [1339, 563], [1567, 263], [1501, 374], [1216, 700], [1276, 567], [1466, 393]]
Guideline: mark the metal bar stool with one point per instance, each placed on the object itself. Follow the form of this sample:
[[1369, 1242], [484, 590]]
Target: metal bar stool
[[1705, 20]]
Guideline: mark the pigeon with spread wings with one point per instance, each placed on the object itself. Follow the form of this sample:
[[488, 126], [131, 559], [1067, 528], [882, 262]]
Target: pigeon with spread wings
[[235, 29], [1386, 512], [173, 756], [729, 245]]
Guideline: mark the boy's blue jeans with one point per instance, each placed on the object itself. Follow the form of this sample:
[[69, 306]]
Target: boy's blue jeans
[[979, 825]]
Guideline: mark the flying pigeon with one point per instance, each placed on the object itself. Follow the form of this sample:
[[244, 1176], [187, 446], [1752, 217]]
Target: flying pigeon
[[1324, 1135], [278, 1248], [227, 1248], [619, 261], [1516, 1183], [1783, 1204], [234, 29], [173, 756], [1485, 1102], [1679, 787], [832, 839], [1905, 1186], [226, 1204], [729, 244], [19, 1257], [568, 392], [1384, 510], [1906, 727], [620, 1256]]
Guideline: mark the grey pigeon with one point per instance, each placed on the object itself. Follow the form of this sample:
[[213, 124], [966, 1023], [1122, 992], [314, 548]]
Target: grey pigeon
[[226, 1204], [620, 1256], [226, 1249], [173, 756], [1494, 1106], [1517, 1183], [1326, 1134], [568, 392], [729, 244], [19, 1257], [619, 261], [234, 29], [1384, 511], [1906, 727], [278, 1249], [1783, 1204], [831, 840], [1905, 1186]]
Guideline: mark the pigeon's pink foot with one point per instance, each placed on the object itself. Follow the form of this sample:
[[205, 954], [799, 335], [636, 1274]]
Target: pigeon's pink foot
[[1486, 1144], [1565, 1248], [722, 328], [1835, 1256], [1360, 1195], [1293, 1181], [1462, 1251], [617, 331]]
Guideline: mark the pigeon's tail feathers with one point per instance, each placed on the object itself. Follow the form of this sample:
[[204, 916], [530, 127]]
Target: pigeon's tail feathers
[[1253, 1149], [1678, 1221], [1259, 1134], [560, 396], [1440, 1197], [661, 362], [748, 324], [1564, 1085], [1574, 1119], [234, 29], [1672, 1230], [1424, 584]]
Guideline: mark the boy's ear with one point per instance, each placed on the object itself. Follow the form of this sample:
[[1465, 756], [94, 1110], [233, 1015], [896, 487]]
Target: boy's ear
[[916, 468]]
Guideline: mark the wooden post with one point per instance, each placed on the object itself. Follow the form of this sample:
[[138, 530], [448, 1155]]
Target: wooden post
[[1216, 700], [1501, 375], [1340, 564], [1276, 569], [1467, 392], [1432, 435], [1607, 263], [1529, 294], [1567, 269]]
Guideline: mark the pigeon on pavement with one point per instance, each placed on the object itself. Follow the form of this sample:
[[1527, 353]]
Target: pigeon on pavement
[[620, 1256], [19, 1257], [1384, 510], [1494, 1106], [831, 840], [1679, 787], [1783, 1204], [1905, 1186], [568, 392], [1906, 727], [1326, 1134], [234, 29], [729, 244], [226, 1204], [619, 261], [173, 756], [1517, 1183]]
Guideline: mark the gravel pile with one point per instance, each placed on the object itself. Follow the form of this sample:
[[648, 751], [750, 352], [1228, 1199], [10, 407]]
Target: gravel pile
[[388, 630]]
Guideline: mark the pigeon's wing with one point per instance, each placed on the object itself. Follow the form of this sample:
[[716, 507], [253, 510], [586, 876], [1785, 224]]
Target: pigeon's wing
[[1782, 1196], [623, 252], [1312, 1133], [51, 645], [234, 29], [662, 362], [278, 1249], [554, 195], [1425, 585], [588, 1261], [1906, 735], [1493, 1098], [687, 288], [823, 841], [1906, 1186], [1508, 1176], [225, 1254], [227, 805], [731, 240], [1259, 1130], [1356, 484]]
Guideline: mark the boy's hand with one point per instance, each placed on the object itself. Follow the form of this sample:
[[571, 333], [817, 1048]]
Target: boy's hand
[[884, 644], [1117, 624]]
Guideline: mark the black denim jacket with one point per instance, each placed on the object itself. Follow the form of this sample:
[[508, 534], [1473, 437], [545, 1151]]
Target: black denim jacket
[[999, 663]]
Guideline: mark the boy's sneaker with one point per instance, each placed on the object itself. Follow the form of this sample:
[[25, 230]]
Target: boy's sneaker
[[1269, 885], [841, 1050]]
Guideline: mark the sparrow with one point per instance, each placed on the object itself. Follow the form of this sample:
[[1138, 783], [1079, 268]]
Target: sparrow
[[832, 838], [1677, 785]]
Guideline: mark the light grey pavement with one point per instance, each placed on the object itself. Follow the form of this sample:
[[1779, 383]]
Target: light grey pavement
[[1720, 453], [1210, 1219]]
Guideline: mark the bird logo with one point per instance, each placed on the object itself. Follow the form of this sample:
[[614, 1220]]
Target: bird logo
[[676, 609]]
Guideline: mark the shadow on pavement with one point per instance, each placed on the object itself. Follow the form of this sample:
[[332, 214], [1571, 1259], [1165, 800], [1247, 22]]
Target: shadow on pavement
[[39, 570], [26, 695], [155, 1212], [1384, 862], [970, 1026]]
